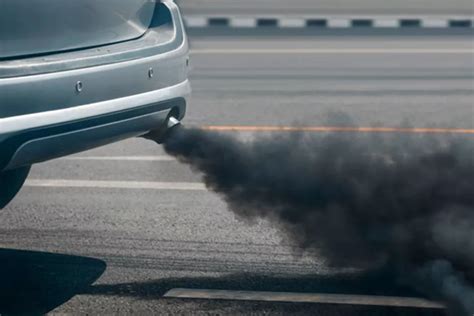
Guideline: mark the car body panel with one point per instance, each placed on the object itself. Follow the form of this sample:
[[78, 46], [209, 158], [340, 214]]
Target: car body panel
[[71, 137], [58, 90], [165, 34], [45, 114], [29, 27]]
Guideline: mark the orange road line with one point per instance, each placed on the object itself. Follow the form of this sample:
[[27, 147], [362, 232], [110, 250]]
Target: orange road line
[[332, 129]]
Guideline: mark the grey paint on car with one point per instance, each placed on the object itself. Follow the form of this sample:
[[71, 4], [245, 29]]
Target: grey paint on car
[[55, 102], [30, 27]]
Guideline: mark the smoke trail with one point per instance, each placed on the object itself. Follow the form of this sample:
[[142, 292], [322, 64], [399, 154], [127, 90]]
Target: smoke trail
[[406, 201]]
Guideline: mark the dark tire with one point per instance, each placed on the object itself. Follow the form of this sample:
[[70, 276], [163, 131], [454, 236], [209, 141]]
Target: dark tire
[[11, 182]]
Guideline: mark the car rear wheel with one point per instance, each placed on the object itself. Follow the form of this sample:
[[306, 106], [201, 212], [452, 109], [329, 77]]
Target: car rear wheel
[[11, 182]]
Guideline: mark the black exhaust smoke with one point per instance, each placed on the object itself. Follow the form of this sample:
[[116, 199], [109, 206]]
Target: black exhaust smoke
[[360, 200]]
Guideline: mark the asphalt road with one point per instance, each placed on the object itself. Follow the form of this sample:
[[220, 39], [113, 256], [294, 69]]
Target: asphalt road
[[327, 7], [138, 243]]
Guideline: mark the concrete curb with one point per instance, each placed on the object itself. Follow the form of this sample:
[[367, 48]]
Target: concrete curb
[[313, 22]]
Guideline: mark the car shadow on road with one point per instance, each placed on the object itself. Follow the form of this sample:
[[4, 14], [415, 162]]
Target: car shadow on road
[[34, 283], [373, 283]]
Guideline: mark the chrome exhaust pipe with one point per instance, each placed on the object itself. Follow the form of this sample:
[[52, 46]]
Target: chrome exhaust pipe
[[172, 122], [161, 134]]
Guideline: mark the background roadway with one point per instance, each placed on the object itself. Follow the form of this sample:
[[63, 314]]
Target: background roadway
[[150, 241]]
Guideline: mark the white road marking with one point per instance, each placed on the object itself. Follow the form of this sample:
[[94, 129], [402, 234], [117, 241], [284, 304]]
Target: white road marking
[[291, 22], [387, 23], [243, 22], [304, 298], [136, 185], [435, 23], [333, 21], [322, 51], [339, 23], [196, 21], [120, 158]]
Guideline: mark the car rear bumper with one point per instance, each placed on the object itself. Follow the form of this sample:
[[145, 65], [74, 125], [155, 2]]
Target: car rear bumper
[[49, 141], [52, 134], [55, 105]]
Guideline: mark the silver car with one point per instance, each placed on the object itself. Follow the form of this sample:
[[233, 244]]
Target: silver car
[[75, 75]]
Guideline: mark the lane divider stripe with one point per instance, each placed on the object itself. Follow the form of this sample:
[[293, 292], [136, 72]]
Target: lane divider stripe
[[341, 299], [138, 185], [335, 129], [341, 51], [119, 158], [194, 21]]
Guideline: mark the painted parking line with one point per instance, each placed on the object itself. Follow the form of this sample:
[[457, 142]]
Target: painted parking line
[[304, 298], [119, 158], [322, 51], [332, 129], [138, 185]]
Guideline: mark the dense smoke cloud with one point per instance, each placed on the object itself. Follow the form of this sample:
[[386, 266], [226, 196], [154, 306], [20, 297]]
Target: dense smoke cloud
[[361, 200]]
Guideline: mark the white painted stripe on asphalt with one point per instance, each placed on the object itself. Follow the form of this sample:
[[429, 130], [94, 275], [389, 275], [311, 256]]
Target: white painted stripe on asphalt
[[339, 23], [304, 298], [135, 185], [387, 23], [291, 23], [196, 21], [266, 51], [120, 158], [434, 23], [243, 22]]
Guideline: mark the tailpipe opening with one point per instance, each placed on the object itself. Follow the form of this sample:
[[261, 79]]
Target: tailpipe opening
[[161, 134]]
